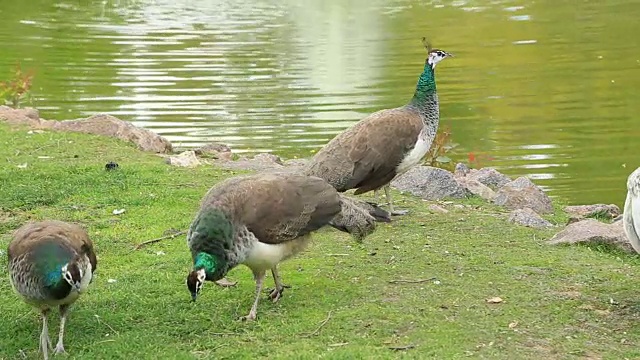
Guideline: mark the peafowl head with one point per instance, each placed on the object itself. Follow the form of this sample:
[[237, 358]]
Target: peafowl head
[[195, 280], [72, 274], [204, 268], [437, 55]]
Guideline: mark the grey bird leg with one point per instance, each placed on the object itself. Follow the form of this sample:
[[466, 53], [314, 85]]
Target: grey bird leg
[[224, 282], [376, 196], [63, 319], [276, 293], [397, 212], [45, 343], [259, 277]]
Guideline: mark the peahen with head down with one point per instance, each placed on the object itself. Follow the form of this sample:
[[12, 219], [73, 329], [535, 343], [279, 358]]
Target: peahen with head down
[[261, 220], [50, 264]]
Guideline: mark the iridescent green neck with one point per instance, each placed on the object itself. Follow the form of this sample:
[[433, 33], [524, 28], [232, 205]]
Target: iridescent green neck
[[426, 86], [205, 261]]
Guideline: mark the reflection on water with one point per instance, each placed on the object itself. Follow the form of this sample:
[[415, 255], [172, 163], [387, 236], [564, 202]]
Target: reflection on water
[[543, 89]]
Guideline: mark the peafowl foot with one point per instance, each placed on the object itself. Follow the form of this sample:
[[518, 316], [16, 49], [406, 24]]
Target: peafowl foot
[[59, 349], [250, 317], [399, 212], [276, 294]]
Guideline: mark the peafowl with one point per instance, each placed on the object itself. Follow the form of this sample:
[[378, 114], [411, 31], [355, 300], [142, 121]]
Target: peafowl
[[387, 143], [50, 264], [261, 220]]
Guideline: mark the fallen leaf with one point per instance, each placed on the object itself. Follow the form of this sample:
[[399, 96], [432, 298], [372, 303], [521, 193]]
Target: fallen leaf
[[22, 166], [513, 324], [118, 211], [495, 300]]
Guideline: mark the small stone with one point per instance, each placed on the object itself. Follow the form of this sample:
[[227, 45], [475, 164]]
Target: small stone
[[529, 218], [522, 193], [461, 170], [185, 159], [596, 210], [437, 209], [489, 177], [477, 188], [213, 150], [430, 183], [593, 231]]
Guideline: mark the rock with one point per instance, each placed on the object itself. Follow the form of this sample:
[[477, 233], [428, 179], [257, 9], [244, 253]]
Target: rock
[[489, 177], [297, 165], [477, 188], [529, 218], [24, 116], [107, 125], [461, 170], [268, 158], [185, 159], [430, 183], [101, 124], [216, 151], [522, 193], [596, 210], [593, 231], [260, 162], [437, 209]]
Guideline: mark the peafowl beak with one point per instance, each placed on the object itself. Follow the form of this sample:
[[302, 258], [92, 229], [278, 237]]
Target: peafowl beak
[[193, 297]]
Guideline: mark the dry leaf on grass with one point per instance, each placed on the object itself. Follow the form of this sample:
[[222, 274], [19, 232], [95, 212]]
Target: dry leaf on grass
[[494, 300]]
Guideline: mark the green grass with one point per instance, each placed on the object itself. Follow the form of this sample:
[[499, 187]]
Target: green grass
[[557, 300]]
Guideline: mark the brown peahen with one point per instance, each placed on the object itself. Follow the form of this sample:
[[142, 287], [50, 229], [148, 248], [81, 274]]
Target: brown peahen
[[261, 220], [385, 144], [50, 264]]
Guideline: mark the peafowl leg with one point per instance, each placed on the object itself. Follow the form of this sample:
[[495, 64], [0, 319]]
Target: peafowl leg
[[224, 282], [259, 277], [45, 343], [397, 212], [376, 196], [276, 293], [63, 320]]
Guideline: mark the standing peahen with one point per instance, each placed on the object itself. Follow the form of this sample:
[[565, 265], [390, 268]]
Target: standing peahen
[[387, 143], [50, 264], [261, 220]]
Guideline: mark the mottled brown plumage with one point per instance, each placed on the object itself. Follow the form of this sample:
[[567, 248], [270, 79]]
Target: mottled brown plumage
[[50, 264], [387, 143], [261, 220], [365, 156]]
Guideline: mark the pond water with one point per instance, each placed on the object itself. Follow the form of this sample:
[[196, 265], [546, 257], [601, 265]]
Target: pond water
[[544, 88]]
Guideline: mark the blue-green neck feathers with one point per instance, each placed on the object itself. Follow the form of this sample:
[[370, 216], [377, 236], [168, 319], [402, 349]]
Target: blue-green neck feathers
[[426, 86], [205, 261], [53, 276], [211, 238], [50, 258]]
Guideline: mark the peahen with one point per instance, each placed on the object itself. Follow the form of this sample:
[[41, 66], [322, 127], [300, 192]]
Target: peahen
[[50, 264], [387, 143], [631, 215], [261, 220]]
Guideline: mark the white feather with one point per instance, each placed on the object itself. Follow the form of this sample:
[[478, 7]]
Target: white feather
[[415, 155], [264, 256], [631, 216]]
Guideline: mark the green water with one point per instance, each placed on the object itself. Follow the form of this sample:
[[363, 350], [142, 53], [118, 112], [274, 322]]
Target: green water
[[544, 88]]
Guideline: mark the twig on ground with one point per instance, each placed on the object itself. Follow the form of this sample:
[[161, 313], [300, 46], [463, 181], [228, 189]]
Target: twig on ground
[[402, 281], [401, 348], [338, 254], [107, 325], [322, 324], [172, 236]]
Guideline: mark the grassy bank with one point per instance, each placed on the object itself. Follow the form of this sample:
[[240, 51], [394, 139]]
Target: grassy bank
[[558, 302]]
